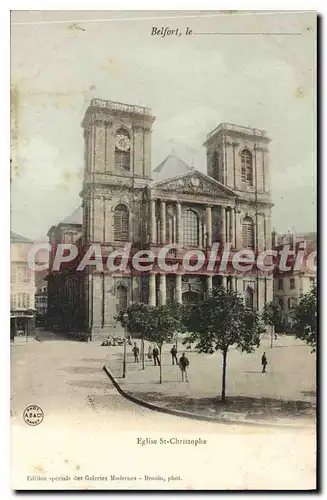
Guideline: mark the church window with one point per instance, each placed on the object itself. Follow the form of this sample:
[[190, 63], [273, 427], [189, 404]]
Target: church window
[[247, 167], [190, 228], [121, 223], [122, 298], [190, 297], [248, 232], [249, 298]]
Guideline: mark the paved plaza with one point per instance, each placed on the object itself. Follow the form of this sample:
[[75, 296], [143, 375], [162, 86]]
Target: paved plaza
[[286, 391], [89, 428]]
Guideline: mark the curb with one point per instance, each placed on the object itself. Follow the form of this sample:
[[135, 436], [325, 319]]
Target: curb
[[195, 416]]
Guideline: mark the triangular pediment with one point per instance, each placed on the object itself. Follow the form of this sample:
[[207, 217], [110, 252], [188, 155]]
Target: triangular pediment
[[196, 183]]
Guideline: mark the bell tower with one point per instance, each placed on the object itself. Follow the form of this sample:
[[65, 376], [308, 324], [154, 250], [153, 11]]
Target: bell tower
[[117, 164], [238, 157], [117, 167]]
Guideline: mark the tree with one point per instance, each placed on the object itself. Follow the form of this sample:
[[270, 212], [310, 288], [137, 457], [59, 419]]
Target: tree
[[177, 312], [219, 322], [272, 315], [156, 324], [305, 318], [163, 323], [135, 320]]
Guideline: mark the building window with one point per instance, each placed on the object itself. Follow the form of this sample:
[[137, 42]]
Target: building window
[[280, 285], [291, 303], [190, 228], [247, 167], [312, 281], [292, 283], [122, 149], [20, 274], [190, 297], [281, 304], [20, 301], [122, 298], [121, 223], [249, 295], [248, 232]]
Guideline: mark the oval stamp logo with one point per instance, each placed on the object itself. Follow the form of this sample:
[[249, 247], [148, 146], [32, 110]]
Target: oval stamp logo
[[33, 415]]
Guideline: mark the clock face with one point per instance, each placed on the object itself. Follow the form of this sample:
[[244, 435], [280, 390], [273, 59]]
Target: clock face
[[123, 143]]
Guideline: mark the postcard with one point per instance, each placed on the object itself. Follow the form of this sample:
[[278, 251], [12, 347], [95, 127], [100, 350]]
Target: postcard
[[163, 237]]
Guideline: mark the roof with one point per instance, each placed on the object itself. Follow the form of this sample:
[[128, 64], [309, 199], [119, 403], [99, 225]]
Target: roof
[[75, 218], [171, 166], [17, 238]]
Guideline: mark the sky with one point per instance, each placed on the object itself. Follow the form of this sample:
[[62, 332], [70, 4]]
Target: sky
[[60, 60]]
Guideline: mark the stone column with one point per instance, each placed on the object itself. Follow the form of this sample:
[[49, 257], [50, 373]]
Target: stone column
[[130, 226], [209, 284], [209, 226], [170, 229], [153, 223], [232, 227], [174, 228], [162, 289], [178, 286], [224, 281], [228, 224], [162, 222], [201, 242], [223, 225], [179, 228], [152, 290]]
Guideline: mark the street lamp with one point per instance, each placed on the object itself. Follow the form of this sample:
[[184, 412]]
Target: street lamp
[[125, 317]]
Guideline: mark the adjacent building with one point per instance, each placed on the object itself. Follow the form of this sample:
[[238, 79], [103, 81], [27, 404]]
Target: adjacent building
[[22, 309], [291, 284], [125, 200]]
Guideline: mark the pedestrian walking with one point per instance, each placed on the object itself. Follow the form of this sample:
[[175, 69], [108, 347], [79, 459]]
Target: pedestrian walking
[[155, 354], [173, 352], [183, 365], [150, 352], [264, 362], [136, 352]]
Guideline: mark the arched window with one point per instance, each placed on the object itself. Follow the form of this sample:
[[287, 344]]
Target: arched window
[[249, 298], [122, 298], [248, 232], [247, 167], [190, 297], [121, 223], [190, 228], [122, 149]]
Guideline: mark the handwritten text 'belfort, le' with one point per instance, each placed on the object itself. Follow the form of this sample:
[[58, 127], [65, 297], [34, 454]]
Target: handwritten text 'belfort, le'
[[166, 31]]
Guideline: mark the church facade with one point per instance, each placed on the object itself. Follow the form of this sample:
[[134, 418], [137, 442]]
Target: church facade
[[125, 201]]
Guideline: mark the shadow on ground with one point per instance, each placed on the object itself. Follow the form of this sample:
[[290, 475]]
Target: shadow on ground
[[83, 369], [45, 336], [309, 394], [95, 384], [247, 407]]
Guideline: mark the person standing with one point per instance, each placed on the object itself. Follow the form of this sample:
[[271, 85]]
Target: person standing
[[136, 352], [150, 352], [183, 365], [155, 354], [264, 362], [173, 352]]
